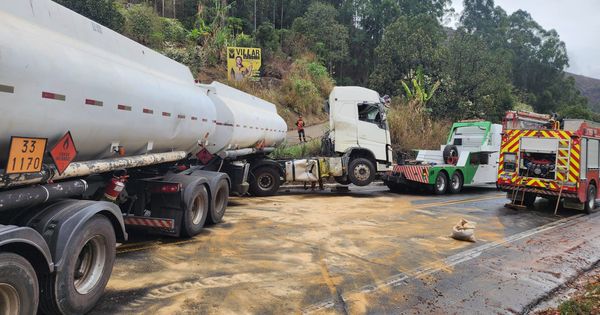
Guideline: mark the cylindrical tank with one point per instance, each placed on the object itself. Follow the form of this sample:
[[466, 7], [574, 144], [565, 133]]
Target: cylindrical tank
[[243, 120], [62, 72]]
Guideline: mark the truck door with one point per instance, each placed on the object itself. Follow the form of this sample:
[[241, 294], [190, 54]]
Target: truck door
[[372, 130]]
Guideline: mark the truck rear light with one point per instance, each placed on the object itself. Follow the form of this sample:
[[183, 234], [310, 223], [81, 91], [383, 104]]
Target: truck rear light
[[168, 188]]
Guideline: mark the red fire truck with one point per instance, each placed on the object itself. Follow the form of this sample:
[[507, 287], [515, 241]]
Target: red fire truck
[[558, 162]]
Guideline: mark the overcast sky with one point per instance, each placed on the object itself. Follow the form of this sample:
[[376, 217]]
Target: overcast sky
[[576, 21]]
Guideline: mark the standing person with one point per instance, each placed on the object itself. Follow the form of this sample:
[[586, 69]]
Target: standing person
[[300, 124]]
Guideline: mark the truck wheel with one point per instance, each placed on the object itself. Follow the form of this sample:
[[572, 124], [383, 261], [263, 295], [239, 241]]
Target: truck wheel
[[88, 263], [590, 204], [450, 154], [265, 182], [361, 172], [221, 199], [195, 212], [456, 183], [19, 292], [441, 184], [529, 199]]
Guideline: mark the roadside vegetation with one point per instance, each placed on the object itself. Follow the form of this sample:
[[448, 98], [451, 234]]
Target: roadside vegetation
[[297, 151], [585, 301], [490, 62]]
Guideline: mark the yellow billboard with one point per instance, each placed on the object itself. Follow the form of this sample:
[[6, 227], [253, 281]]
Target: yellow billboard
[[243, 63]]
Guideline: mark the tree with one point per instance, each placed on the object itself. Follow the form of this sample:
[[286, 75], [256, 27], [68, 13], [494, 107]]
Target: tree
[[475, 80], [407, 43], [101, 11], [327, 37]]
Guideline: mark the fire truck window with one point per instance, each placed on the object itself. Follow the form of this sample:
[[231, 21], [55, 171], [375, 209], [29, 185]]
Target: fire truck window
[[369, 113], [592, 155]]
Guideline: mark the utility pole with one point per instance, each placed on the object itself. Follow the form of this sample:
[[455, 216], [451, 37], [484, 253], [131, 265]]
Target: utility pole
[[174, 9], [254, 16], [163, 8]]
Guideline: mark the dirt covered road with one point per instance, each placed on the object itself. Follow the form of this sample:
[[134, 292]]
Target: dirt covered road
[[305, 252]]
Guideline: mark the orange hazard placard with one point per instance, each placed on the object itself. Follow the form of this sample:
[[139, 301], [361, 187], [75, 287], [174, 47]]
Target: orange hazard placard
[[63, 152], [25, 155]]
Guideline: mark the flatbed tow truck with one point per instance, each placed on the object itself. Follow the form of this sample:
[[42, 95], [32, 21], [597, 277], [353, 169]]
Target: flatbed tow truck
[[469, 157]]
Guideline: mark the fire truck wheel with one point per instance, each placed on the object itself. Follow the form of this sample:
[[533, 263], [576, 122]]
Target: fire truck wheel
[[361, 171], [88, 264], [264, 181], [590, 204], [19, 291], [456, 183], [529, 199], [195, 212], [441, 184], [221, 199]]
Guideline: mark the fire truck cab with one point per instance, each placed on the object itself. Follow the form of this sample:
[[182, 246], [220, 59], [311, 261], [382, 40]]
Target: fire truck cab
[[556, 161]]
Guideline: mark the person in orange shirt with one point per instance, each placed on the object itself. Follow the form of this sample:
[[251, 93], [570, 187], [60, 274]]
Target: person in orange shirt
[[300, 124]]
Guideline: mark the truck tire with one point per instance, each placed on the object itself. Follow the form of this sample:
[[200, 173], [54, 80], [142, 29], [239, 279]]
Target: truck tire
[[361, 172], [88, 263], [456, 183], [195, 212], [19, 291], [265, 181], [441, 184], [450, 154], [590, 203], [221, 198], [529, 199]]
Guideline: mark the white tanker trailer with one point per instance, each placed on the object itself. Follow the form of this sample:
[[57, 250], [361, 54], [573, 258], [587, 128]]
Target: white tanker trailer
[[99, 134]]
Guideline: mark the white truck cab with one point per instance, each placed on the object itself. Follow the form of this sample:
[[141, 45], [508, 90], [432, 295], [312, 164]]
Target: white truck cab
[[358, 125]]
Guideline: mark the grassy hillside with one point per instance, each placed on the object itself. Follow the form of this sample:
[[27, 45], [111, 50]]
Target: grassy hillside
[[590, 88]]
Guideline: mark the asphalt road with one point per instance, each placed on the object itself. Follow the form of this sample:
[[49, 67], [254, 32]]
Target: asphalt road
[[317, 252]]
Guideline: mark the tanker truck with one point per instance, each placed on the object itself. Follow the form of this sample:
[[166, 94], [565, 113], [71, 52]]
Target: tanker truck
[[100, 135]]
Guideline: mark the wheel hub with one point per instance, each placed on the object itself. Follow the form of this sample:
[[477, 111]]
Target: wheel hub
[[197, 210], [362, 172], [440, 183], [265, 181], [455, 182], [10, 303], [90, 265]]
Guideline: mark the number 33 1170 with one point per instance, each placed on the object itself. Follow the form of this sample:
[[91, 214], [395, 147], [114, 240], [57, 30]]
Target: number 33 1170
[[26, 155]]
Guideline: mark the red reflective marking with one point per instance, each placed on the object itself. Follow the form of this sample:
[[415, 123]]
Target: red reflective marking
[[194, 118], [204, 119], [181, 116], [166, 114], [93, 102], [53, 96], [124, 107], [148, 111]]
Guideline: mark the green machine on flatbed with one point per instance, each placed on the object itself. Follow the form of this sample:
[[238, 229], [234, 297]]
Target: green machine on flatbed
[[469, 157]]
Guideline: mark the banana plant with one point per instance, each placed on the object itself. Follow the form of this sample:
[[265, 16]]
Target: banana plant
[[418, 91]]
